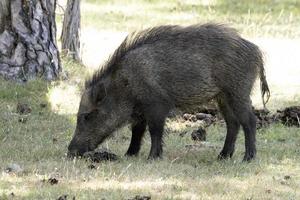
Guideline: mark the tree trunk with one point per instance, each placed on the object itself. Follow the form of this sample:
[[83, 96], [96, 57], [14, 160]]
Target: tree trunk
[[70, 36], [28, 40]]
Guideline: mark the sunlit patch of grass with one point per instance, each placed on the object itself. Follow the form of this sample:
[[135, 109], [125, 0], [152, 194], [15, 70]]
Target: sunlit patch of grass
[[64, 98], [64, 95]]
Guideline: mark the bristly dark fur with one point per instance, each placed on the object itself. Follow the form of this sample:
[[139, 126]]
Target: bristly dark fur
[[137, 39], [131, 42]]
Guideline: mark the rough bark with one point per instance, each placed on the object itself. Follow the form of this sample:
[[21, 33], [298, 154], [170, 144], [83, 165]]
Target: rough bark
[[70, 36], [4, 14], [28, 40]]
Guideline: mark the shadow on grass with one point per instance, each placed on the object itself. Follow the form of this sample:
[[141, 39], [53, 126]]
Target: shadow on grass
[[34, 137]]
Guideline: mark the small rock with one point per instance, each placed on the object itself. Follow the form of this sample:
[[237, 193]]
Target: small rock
[[189, 117], [193, 118], [202, 116], [43, 105], [284, 183], [22, 120], [287, 177], [268, 191], [183, 133], [208, 121], [92, 166], [186, 116], [138, 197], [52, 181], [212, 111], [23, 108], [14, 168], [63, 197], [199, 135]]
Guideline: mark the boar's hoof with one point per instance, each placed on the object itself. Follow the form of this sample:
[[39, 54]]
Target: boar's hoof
[[130, 154], [132, 151], [249, 156], [155, 156], [225, 155], [150, 157]]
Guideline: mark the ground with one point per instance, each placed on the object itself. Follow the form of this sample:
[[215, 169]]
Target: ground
[[37, 141]]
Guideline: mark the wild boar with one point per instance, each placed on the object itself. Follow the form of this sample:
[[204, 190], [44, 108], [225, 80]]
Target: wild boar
[[166, 67]]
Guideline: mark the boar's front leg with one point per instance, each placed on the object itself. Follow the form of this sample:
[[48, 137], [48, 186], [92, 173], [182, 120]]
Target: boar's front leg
[[156, 115], [138, 129]]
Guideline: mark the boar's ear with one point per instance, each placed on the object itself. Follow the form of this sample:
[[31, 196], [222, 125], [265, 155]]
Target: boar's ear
[[98, 93]]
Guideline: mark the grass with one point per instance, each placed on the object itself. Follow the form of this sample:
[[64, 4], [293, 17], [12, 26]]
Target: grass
[[39, 147], [39, 144], [260, 18]]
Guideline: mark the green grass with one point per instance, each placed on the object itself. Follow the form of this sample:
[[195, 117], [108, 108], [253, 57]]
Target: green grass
[[39, 145]]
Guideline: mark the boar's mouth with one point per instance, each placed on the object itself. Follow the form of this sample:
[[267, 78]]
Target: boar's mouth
[[77, 150]]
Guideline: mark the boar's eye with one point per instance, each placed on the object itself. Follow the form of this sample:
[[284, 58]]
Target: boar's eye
[[89, 116], [98, 93]]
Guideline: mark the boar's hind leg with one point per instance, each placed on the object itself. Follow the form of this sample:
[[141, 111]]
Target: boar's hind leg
[[138, 130], [232, 125], [248, 121], [156, 115], [243, 112]]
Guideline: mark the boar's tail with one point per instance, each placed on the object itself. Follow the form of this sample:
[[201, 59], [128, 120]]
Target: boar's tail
[[264, 87]]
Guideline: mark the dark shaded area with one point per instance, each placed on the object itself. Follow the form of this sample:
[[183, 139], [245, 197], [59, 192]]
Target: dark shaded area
[[26, 117]]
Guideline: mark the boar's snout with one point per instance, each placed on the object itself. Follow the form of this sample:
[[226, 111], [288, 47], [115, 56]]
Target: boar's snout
[[77, 148]]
